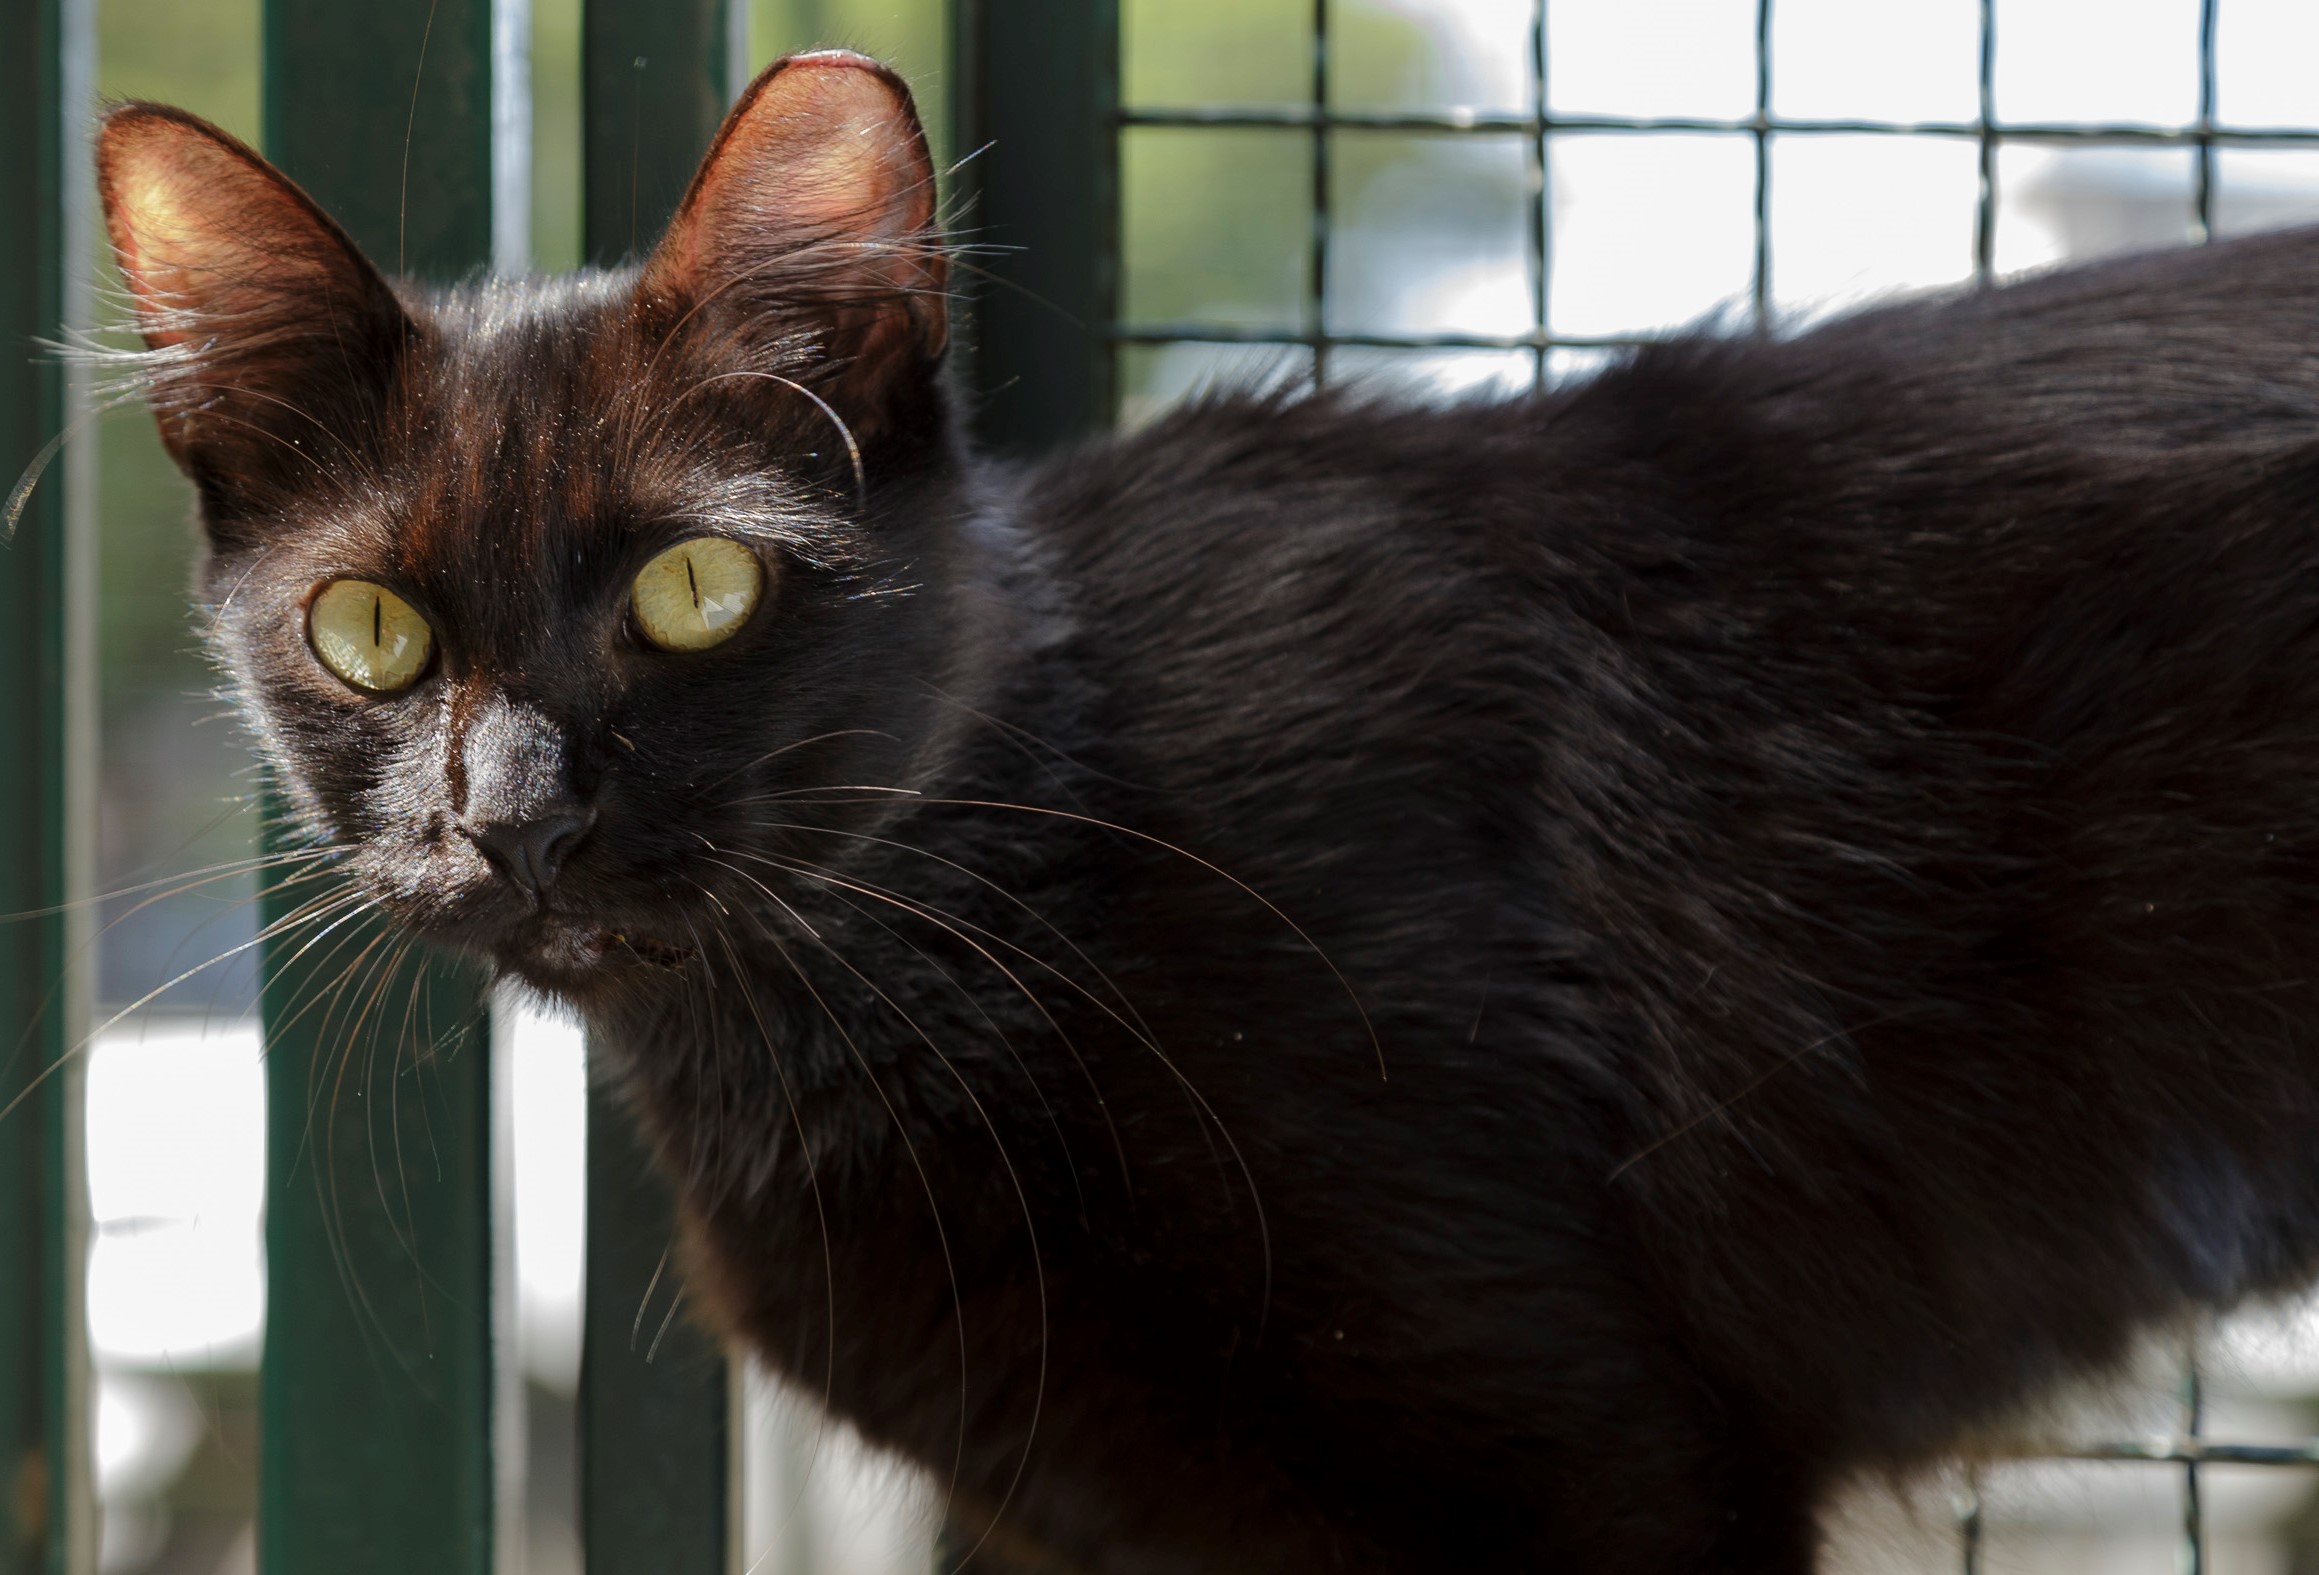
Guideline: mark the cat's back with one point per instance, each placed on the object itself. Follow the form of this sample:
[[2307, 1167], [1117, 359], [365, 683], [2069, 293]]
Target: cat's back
[[2193, 345], [2215, 344], [1761, 766], [1900, 480], [1778, 594]]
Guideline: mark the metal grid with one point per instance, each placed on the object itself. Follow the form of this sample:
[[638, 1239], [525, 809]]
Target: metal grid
[[1540, 124], [2186, 1445]]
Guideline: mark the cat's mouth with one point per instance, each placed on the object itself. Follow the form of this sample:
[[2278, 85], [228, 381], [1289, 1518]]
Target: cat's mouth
[[659, 954], [562, 955]]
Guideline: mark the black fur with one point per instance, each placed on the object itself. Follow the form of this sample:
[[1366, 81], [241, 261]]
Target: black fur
[[1350, 985]]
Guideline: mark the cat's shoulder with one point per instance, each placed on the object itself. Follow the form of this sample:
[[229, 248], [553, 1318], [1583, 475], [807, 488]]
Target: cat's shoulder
[[1246, 445]]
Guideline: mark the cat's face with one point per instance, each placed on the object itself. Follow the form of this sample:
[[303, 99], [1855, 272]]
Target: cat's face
[[545, 599]]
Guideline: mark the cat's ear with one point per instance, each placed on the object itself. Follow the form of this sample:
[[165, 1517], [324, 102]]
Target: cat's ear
[[269, 337], [812, 220]]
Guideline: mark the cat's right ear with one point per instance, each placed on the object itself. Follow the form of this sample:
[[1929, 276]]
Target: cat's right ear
[[269, 336], [809, 235]]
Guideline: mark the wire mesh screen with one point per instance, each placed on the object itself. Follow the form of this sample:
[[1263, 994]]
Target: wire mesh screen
[[1482, 192], [1758, 141]]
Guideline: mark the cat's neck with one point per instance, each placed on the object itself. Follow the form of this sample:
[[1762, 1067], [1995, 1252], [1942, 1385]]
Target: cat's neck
[[1003, 623]]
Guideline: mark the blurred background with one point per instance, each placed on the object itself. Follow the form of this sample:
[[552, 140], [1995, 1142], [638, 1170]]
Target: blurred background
[[1430, 234]]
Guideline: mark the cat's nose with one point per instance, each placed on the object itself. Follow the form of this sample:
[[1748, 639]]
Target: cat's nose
[[532, 850]]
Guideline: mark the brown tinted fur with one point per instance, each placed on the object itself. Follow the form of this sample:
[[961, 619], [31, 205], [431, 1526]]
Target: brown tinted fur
[[1819, 834]]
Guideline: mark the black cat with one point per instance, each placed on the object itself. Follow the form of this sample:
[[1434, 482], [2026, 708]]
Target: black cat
[[1338, 984]]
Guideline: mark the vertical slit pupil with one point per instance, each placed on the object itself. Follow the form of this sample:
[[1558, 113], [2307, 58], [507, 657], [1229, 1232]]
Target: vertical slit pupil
[[692, 580], [378, 620]]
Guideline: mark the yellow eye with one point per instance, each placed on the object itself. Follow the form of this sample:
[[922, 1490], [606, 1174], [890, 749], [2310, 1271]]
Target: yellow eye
[[369, 636], [697, 594]]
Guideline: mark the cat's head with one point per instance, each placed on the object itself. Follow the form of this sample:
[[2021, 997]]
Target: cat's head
[[538, 594]]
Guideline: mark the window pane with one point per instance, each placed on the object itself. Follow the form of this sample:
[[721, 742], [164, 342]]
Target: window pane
[[2264, 188], [1577, 365], [2098, 60], [2263, 50], [2116, 1517], [1238, 52], [1154, 377], [1431, 235], [1431, 54], [2062, 204], [1653, 57], [1841, 60], [1650, 232], [1215, 225], [1854, 217], [1439, 373]]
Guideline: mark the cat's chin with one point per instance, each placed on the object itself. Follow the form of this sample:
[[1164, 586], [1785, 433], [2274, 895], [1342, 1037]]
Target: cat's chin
[[577, 960]]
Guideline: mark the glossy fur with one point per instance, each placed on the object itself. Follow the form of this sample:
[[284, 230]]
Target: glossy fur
[[1343, 984]]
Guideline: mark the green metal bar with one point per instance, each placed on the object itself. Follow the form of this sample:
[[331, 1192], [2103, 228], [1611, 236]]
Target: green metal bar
[[45, 1515], [376, 1390], [383, 113], [655, 80], [1036, 107], [656, 1409], [656, 1415], [1035, 126]]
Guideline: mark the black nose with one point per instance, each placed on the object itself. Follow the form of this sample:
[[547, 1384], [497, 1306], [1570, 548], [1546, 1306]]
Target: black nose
[[530, 852]]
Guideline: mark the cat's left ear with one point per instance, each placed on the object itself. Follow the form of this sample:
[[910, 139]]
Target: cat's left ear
[[814, 210], [270, 337]]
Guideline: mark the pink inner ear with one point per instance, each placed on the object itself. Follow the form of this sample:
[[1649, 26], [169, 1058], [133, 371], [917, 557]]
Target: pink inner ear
[[823, 153], [204, 229], [265, 309]]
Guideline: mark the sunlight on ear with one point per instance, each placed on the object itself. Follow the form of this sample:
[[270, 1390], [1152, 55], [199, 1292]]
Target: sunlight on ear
[[825, 145], [912, 36], [843, 178], [193, 222], [149, 203], [160, 231]]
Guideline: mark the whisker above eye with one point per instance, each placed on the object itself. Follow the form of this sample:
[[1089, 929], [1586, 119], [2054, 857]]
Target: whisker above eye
[[819, 738], [799, 794], [853, 448]]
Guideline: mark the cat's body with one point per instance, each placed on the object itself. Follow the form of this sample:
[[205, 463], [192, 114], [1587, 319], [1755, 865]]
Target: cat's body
[[1345, 985], [1823, 838]]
